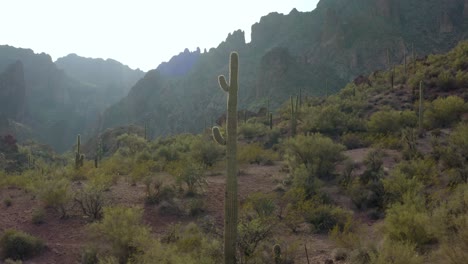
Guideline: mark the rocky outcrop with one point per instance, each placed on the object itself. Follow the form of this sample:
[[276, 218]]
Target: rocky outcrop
[[13, 92], [181, 64]]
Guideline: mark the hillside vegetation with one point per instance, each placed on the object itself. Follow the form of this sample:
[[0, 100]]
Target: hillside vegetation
[[376, 173]]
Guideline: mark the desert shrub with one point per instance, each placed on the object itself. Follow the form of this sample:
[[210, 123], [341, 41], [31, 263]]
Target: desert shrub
[[446, 80], [408, 118], [251, 232], [122, 231], [347, 173], [38, 216], [409, 222], [188, 172], [325, 217], [374, 166], [91, 200], [18, 245], [423, 170], [254, 153], [272, 138], [10, 261], [89, 255], [7, 202], [198, 245], [393, 252], [132, 142], [368, 196], [399, 185], [444, 112], [384, 122], [196, 207], [461, 79], [156, 191], [450, 220], [455, 156], [262, 204], [207, 151], [252, 130], [318, 153], [354, 140], [142, 169], [346, 236], [56, 194]]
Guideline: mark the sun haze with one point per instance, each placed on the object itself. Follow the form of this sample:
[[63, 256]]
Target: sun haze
[[139, 33]]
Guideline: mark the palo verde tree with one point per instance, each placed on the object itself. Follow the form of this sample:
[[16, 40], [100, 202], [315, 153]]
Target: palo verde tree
[[230, 202]]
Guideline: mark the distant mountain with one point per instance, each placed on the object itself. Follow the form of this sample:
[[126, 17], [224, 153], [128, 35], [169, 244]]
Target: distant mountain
[[111, 78], [46, 103], [317, 52]]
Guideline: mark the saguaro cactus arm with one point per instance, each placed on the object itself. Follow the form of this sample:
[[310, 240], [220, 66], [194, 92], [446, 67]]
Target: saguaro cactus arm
[[217, 136]]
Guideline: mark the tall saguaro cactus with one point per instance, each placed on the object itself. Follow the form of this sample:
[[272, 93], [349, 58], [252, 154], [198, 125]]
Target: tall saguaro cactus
[[230, 202], [79, 158]]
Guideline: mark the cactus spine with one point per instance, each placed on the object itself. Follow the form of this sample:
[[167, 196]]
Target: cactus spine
[[230, 202], [79, 158], [277, 253], [294, 108]]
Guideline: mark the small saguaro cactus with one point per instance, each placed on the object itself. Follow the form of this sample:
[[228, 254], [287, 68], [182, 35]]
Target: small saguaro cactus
[[404, 55], [230, 202], [392, 77], [421, 110], [277, 254], [388, 58], [79, 158], [271, 121], [294, 109]]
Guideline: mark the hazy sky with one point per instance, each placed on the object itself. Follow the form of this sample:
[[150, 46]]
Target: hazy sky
[[139, 33]]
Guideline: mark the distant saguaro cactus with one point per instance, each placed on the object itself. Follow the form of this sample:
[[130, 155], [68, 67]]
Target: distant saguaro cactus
[[271, 121], [421, 110], [79, 158], [230, 202], [294, 109]]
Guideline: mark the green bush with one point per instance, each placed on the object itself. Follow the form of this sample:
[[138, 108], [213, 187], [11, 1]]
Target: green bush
[[55, 193], [409, 222], [325, 217], [254, 153], [318, 153], [207, 152], [252, 130], [444, 112], [262, 204], [188, 172], [91, 201], [393, 252], [354, 141], [384, 122], [446, 81], [121, 229], [18, 245], [38, 216]]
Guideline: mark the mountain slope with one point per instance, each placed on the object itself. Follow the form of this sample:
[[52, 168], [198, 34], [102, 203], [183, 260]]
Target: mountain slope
[[331, 45], [111, 79], [44, 99]]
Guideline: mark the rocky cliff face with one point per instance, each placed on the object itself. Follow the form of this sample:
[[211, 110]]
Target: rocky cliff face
[[338, 41], [36, 94], [13, 92]]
